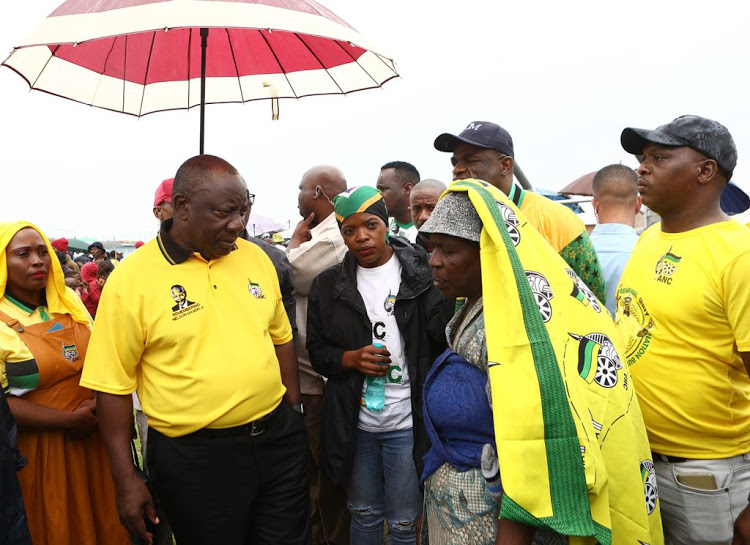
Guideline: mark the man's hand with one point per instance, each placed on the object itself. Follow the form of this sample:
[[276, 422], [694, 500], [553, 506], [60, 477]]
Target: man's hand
[[134, 502], [368, 360], [301, 232], [742, 528], [82, 421]]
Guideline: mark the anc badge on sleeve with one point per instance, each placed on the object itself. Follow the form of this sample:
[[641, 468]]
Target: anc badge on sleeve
[[566, 415]]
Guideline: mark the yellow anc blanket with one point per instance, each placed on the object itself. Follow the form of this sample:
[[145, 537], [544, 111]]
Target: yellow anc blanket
[[573, 451]]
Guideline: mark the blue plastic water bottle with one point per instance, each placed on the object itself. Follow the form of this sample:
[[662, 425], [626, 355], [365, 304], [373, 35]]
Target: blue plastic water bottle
[[375, 391]]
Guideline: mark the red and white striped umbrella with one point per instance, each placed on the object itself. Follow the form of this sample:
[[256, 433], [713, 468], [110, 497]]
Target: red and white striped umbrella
[[144, 56]]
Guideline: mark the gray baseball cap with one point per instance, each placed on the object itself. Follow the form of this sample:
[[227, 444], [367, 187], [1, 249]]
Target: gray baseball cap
[[456, 216], [705, 136]]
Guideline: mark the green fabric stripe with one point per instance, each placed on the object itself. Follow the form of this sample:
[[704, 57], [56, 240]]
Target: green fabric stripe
[[569, 495], [43, 313], [585, 349], [671, 257], [18, 303], [26, 382]]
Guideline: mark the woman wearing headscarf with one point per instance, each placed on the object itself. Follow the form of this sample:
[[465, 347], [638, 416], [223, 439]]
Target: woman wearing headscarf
[[67, 486], [533, 370], [92, 290], [367, 333]]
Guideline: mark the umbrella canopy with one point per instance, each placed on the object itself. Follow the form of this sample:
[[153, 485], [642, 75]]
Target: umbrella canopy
[[261, 224], [580, 186], [734, 200], [144, 56]]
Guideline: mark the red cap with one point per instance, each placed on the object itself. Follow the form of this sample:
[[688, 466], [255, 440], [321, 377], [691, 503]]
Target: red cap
[[60, 244], [139, 244], [164, 192]]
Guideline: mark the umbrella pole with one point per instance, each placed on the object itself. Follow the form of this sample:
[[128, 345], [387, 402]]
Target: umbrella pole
[[204, 44]]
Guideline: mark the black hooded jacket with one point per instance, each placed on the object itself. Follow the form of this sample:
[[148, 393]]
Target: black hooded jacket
[[337, 322]]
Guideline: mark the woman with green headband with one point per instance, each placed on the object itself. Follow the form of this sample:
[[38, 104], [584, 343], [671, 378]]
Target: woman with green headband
[[367, 332]]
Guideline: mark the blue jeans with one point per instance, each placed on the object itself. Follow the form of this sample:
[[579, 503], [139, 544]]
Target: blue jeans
[[384, 485]]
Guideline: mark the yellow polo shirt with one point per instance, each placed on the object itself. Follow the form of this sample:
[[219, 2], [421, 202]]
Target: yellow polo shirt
[[682, 311], [194, 338]]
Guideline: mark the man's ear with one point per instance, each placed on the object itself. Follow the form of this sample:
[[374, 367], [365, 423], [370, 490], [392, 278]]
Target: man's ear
[[638, 204], [708, 171], [506, 166], [407, 189], [181, 205]]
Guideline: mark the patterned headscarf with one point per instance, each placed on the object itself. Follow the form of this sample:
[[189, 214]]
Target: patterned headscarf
[[60, 299], [355, 200]]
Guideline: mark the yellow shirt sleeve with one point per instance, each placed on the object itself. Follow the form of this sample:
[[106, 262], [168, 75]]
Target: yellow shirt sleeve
[[116, 345], [735, 283]]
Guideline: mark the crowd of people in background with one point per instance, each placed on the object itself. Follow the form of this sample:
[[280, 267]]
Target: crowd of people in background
[[422, 362]]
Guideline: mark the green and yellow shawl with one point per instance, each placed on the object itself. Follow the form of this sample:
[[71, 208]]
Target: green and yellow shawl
[[573, 451]]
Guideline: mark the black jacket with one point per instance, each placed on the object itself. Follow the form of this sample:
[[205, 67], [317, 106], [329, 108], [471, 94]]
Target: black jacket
[[337, 322], [13, 528]]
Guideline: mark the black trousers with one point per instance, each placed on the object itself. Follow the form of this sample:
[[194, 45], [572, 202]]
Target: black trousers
[[247, 485]]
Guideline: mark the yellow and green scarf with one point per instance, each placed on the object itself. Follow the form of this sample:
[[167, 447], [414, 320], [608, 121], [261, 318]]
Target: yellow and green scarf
[[573, 451]]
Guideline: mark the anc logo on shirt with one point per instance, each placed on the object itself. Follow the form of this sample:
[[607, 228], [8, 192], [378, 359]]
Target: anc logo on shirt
[[597, 359], [542, 293], [70, 352], [581, 292], [389, 303], [183, 306], [255, 289], [666, 267], [650, 490], [635, 322]]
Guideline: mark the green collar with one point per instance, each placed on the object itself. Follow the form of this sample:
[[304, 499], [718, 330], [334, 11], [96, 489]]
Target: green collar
[[28, 307], [516, 194]]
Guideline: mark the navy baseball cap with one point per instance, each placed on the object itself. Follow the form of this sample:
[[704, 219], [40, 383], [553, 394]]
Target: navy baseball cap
[[705, 136], [482, 134]]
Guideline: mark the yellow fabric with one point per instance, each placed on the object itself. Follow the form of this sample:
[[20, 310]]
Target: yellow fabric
[[60, 300], [558, 224], [210, 364], [682, 308], [572, 446], [12, 348]]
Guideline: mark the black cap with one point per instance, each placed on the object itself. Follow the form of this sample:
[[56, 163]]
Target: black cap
[[478, 133], [705, 136], [96, 245]]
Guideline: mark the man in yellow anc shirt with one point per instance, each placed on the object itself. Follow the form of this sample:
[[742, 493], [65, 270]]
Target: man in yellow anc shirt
[[484, 151], [682, 309], [194, 322]]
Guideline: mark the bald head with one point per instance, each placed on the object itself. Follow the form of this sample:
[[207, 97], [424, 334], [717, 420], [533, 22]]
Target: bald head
[[197, 170], [318, 187], [616, 199], [423, 198]]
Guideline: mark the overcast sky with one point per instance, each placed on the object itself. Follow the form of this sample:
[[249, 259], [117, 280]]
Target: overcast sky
[[563, 78]]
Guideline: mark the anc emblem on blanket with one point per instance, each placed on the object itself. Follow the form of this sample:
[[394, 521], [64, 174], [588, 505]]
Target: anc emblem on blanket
[[573, 451]]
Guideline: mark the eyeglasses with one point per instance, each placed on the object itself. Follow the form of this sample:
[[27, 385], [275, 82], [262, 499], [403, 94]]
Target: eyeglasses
[[250, 198]]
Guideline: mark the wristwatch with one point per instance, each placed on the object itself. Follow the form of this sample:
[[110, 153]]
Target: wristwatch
[[299, 408]]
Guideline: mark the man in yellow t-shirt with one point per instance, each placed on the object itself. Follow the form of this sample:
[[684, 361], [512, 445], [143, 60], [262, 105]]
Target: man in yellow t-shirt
[[682, 312], [194, 322], [484, 151]]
